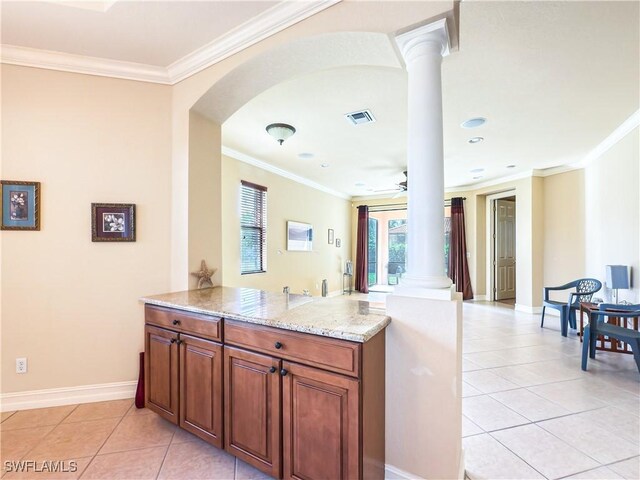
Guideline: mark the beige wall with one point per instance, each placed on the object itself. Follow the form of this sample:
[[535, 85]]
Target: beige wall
[[205, 198], [564, 228], [69, 305], [612, 213], [286, 200]]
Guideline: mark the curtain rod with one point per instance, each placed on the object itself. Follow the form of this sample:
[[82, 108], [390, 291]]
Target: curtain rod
[[401, 204]]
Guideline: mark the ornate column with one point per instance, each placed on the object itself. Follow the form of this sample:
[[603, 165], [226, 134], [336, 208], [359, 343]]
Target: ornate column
[[422, 50]]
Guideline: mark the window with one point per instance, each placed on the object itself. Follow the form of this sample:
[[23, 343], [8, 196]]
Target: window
[[253, 228]]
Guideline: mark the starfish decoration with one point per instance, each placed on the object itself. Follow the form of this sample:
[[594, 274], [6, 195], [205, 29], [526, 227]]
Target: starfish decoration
[[204, 275]]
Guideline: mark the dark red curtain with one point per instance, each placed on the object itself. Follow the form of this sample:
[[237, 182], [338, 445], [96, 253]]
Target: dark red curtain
[[458, 267], [362, 250]]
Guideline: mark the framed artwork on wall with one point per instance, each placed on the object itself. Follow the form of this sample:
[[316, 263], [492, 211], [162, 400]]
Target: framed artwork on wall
[[113, 222], [330, 236], [299, 236], [20, 205]]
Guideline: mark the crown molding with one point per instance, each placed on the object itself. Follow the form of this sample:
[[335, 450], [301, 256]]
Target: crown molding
[[67, 62], [243, 157], [268, 23]]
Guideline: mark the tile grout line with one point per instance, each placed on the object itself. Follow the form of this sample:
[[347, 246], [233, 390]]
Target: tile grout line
[[103, 443], [164, 458]]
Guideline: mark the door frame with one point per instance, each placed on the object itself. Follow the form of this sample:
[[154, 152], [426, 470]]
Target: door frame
[[491, 241]]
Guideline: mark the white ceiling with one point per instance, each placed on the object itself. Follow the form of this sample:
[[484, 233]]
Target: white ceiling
[[156, 33], [554, 79]]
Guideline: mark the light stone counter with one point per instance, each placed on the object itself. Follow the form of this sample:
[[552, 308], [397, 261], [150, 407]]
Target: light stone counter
[[337, 317]]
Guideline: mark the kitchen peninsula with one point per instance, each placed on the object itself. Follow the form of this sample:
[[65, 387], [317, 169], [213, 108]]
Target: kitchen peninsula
[[293, 385]]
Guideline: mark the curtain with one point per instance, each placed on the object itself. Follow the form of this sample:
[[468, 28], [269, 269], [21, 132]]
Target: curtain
[[458, 267], [362, 247]]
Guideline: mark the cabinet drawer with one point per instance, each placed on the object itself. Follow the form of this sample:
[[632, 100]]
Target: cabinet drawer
[[327, 353], [205, 326]]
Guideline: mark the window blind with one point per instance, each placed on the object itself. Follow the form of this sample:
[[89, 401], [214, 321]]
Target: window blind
[[253, 228]]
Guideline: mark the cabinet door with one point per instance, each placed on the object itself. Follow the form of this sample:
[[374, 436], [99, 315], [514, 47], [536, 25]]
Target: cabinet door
[[320, 424], [252, 408], [161, 372], [201, 388]]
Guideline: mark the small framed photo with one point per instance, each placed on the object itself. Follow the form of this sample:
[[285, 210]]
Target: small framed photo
[[20, 205], [330, 236], [338, 242], [113, 222]]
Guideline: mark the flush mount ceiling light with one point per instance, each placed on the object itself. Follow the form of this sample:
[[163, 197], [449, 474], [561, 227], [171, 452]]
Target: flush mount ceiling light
[[280, 131], [473, 122], [305, 156], [324, 165], [476, 139]]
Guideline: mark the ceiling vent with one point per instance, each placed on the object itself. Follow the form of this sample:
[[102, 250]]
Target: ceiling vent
[[361, 117]]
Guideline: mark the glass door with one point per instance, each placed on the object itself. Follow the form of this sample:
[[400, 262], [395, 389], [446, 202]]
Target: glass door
[[372, 267]]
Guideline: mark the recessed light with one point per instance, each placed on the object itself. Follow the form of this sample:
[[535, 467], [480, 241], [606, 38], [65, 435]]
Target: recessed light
[[360, 184], [476, 139], [473, 122], [478, 177], [324, 165], [477, 170], [305, 156], [511, 166]]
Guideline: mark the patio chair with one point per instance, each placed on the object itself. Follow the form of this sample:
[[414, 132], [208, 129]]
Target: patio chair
[[597, 327], [584, 290]]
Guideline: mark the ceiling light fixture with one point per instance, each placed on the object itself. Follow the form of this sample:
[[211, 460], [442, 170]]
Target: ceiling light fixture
[[477, 170], [360, 184], [476, 139], [511, 166], [305, 156], [474, 122], [280, 131], [324, 165], [478, 177]]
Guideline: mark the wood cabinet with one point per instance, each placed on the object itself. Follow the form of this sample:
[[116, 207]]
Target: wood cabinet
[[201, 411], [252, 408], [293, 405], [161, 372]]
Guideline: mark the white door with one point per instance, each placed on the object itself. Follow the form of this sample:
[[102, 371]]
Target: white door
[[505, 249]]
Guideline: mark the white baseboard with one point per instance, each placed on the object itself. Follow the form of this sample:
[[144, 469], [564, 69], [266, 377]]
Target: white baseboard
[[481, 298], [551, 311], [55, 397], [395, 473], [527, 309], [461, 469]]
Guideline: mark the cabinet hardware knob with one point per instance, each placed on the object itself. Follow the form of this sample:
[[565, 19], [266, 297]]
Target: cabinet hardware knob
[[173, 340], [176, 322], [179, 342], [272, 370], [283, 372], [278, 345]]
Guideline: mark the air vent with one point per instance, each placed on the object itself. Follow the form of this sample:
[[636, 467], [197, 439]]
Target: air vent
[[361, 117]]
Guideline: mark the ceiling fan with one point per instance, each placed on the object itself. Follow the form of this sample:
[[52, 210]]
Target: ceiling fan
[[401, 187]]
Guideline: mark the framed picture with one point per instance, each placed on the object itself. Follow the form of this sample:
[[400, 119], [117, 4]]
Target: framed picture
[[299, 236], [113, 222], [20, 205], [330, 236], [338, 243]]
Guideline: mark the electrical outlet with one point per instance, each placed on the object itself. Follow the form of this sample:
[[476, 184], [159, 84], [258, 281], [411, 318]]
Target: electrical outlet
[[21, 365]]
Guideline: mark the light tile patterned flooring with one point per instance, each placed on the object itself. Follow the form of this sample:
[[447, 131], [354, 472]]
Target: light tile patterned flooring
[[529, 412], [112, 440]]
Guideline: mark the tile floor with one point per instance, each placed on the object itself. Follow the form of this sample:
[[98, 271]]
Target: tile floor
[[529, 412], [112, 440]]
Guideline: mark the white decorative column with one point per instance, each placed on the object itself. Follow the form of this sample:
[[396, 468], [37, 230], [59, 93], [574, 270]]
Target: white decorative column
[[423, 416], [422, 50]]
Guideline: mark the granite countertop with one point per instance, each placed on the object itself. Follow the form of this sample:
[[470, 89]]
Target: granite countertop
[[337, 317]]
